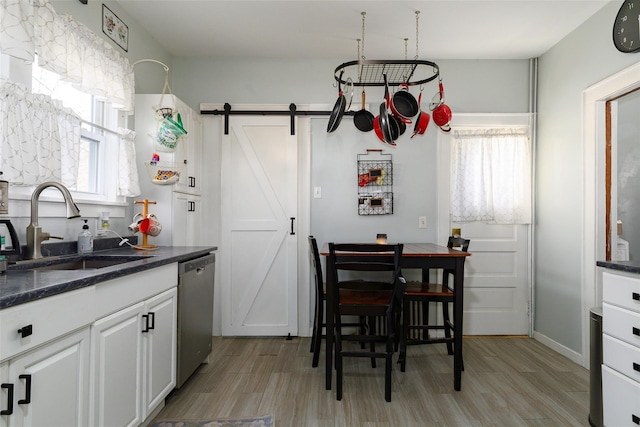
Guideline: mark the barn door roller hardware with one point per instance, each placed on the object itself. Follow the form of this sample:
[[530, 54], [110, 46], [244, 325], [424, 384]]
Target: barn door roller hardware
[[292, 112]]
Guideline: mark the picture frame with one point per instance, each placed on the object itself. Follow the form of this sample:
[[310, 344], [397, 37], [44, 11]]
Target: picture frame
[[113, 27]]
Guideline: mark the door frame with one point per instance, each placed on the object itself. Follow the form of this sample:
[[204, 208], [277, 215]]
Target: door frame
[[444, 180], [594, 125]]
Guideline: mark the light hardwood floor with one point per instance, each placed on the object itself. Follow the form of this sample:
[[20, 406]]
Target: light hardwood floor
[[506, 382]]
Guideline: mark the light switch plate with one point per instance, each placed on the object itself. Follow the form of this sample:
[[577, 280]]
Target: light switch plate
[[422, 222], [317, 192]]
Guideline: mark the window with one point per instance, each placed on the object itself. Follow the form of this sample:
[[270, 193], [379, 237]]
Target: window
[[491, 175], [94, 177]]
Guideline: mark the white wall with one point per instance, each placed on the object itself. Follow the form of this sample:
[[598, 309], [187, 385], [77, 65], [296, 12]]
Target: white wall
[[583, 58]]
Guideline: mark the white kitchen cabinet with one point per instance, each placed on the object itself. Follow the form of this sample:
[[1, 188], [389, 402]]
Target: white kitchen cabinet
[[187, 156], [50, 384], [129, 385], [621, 348], [187, 219]]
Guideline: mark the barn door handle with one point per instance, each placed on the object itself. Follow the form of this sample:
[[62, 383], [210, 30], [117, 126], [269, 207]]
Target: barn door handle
[[9, 409], [27, 389], [292, 221]]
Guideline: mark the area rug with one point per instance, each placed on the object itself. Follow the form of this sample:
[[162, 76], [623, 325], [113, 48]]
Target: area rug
[[264, 421]]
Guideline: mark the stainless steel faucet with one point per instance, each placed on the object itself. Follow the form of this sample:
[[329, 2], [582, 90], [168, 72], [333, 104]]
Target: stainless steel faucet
[[35, 235]]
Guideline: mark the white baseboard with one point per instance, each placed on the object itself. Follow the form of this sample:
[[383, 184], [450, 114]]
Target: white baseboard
[[565, 351]]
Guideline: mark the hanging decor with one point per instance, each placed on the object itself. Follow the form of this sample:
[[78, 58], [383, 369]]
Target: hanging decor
[[399, 108]]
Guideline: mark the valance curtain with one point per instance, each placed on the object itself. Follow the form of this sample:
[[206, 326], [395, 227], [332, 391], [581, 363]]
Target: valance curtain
[[40, 138], [67, 48], [491, 176]]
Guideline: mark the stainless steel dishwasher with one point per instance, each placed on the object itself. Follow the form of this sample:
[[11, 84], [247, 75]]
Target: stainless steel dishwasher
[[195, 314]]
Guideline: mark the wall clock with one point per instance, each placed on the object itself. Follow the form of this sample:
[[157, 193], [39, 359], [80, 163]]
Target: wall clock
[[626, 27]]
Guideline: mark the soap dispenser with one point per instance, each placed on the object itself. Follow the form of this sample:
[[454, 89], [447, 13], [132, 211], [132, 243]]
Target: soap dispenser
[[85, 239]]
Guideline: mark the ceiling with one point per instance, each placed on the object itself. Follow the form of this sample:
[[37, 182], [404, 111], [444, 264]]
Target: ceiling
[[329, 29]]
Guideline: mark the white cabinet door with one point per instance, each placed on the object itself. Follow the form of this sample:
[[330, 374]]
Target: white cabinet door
[[51, 384], [6, 394], [187, 216], [116, 342], [160, 341], [188, 151]]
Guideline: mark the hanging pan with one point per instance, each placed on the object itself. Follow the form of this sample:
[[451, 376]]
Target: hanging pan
[[422, 121], [363, 119], [338, 109], [389, 127], [403, 105]]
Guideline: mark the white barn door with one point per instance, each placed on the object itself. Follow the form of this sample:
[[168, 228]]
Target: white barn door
[[258, 253]]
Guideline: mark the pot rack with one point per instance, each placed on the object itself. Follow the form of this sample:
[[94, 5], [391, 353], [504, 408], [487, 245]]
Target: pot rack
[[371, 72]]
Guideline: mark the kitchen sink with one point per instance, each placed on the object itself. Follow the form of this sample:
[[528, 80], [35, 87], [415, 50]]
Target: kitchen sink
[[85, 262]]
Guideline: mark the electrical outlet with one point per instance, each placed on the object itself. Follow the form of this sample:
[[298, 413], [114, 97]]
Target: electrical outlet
[[422, 222]]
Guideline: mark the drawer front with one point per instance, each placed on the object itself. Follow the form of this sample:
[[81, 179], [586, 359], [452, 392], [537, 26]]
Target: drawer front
[[621, 399], [620, 323], [621, 290], [623, 357], [114, 295], [44, 320]]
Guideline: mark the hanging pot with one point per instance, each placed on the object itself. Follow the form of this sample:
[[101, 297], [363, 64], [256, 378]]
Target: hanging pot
[[338, 109], [442, 115], [389, 127], [363, 119], [422, 122], [377, 127], [403, 104]]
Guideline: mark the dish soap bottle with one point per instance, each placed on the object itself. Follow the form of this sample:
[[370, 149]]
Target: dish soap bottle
[[85, 239]]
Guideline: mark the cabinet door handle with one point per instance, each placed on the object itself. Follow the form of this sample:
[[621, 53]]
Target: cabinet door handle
[[149, 321], [25, 331], [192, 181], [636, 331], [27, 389], [635, 296], [636, 366], [192, 206], [9, 409], [292, 221], [635, 419], [146, 323]]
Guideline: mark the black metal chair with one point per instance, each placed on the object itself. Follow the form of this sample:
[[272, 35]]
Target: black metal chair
[[320, 305], [365, 281], [417, 298]]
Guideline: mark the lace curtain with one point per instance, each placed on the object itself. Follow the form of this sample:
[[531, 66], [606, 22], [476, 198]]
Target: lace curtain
[[67, 48], [128, 182], [40, 138], [491, 176]]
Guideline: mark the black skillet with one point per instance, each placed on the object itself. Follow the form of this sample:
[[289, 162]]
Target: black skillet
[[363, 119], [338, 109]]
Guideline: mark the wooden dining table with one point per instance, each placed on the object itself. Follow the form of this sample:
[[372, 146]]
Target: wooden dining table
[[424, 256]]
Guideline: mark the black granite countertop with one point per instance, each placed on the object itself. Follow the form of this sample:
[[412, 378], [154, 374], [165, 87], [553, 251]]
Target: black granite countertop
[[21, 283], [628, 266]]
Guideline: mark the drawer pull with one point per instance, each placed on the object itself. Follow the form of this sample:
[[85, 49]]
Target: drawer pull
[[636, 366], [25, 331], [27, 389], [9, 409], [636, 331], [635, 296], [635, 419]]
